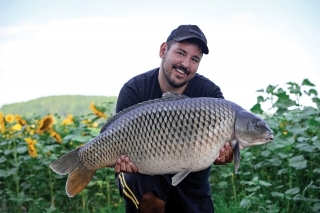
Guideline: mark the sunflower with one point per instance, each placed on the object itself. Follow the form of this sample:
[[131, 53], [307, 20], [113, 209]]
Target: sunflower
[[2, 123], [30, 142], [45, 124], [96, 111], [86, 121], [9, 118], [68, 120], [89, 123], [31, 148], [16, 127], [55, 135], [30, 130], [20, 120]]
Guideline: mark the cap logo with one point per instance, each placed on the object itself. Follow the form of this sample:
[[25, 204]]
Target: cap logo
[[196, 32]]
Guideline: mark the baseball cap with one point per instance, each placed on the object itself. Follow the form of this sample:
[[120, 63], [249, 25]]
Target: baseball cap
[[184, 32]]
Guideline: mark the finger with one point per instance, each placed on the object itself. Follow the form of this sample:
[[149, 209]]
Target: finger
[[133, 167], [130, 167], [127, 162], [230, 158], [217, 161], [123, 166], [117, 166], [227, 145], [226, 153], [222, 156]]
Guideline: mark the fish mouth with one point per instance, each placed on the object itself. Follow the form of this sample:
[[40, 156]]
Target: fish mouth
[[265, 140], [270, 137]]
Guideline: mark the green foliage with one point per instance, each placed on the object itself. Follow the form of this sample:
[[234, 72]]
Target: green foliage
[[281, 176], [62, 105], [27, 184]]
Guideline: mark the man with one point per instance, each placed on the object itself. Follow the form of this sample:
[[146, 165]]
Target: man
[[181, 55]]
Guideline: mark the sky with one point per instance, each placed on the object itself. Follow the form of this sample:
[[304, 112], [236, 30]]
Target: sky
[[79, 47]]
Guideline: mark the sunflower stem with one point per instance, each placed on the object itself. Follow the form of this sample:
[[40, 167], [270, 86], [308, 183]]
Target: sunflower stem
[[15, 156], [234, 188]]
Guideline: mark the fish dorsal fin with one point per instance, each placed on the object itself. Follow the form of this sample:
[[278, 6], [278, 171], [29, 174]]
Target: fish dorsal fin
[[173, 96], [168, 96], [177, 178], [236, 156]]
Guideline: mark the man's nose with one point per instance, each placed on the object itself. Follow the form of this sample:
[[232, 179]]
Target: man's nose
[[185, 63]]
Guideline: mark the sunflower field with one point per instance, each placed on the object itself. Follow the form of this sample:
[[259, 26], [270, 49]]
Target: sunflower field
[[29, 145], [280, 176]]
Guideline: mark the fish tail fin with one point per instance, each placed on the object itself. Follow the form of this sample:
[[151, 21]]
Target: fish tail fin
[[78, 179], [66, 163], [79, 175]]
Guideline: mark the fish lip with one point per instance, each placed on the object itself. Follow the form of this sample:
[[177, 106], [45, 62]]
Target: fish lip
[[270, 137]]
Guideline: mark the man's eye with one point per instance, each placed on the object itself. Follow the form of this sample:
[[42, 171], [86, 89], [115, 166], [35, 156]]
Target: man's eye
[[180, 53], [195, 60]]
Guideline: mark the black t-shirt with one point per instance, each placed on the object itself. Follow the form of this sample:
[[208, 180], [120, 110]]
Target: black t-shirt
[[146, 86]]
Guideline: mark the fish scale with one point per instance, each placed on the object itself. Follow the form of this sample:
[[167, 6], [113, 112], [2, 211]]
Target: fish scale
[[172, 135]]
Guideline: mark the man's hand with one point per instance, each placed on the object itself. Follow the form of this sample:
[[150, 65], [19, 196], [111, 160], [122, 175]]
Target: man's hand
[[124, 164], [225, 156]]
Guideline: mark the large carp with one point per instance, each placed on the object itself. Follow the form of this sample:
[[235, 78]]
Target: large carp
[[171, 135]]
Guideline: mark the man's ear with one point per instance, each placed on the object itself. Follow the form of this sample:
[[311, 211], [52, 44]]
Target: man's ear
[[163, 49]]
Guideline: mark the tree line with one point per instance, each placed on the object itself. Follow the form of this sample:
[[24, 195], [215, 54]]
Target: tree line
[[62, 105]]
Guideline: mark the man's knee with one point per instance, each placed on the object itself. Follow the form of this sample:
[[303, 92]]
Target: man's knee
[[151, 203]]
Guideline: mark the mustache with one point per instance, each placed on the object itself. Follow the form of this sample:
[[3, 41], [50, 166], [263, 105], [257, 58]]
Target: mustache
[[185, 70]]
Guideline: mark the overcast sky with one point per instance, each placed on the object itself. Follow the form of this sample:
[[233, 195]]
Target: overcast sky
[[64, 47]]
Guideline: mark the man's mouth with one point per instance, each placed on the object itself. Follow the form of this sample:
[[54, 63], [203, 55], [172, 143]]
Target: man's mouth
[[181, 70]]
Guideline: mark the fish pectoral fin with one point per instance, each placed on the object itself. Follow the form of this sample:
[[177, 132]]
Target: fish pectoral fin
[[78, 179], [177, 178], [236, 157]]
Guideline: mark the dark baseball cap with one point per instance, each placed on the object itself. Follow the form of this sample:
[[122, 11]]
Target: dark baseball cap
[[184, 32]]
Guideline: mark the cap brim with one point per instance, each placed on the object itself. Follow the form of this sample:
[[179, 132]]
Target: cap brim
[[204, 47]]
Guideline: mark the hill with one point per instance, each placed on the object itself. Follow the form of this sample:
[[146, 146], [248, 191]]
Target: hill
[[62, 105]]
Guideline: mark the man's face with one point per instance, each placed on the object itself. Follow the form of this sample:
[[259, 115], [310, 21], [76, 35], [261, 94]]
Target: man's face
[[180, 63]]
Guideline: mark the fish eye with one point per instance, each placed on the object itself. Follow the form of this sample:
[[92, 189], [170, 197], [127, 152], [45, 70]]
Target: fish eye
[[259, 124]]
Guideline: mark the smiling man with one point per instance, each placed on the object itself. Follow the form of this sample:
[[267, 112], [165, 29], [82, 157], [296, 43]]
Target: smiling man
[[181, 55], [180, 62]]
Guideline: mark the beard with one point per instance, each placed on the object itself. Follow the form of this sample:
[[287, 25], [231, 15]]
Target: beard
[[170, 79]]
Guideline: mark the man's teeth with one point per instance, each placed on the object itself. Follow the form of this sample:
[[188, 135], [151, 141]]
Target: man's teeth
[[180, 71]]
